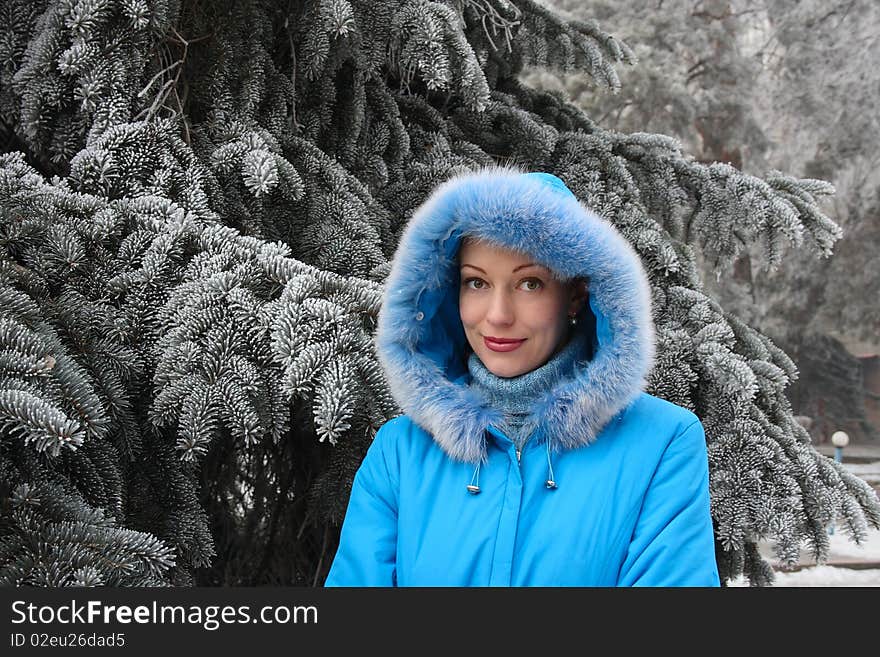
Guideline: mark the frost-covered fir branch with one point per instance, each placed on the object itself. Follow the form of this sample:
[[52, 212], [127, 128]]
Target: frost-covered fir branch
[[53, 538], [220, 350]]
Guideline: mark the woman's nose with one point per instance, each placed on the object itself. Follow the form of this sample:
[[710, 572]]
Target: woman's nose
[[500, 310]]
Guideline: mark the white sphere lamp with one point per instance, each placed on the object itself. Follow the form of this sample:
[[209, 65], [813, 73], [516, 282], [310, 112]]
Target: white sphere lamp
[[839, 439]]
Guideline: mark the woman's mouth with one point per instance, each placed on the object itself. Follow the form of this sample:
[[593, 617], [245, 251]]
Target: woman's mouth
[[502, 344]]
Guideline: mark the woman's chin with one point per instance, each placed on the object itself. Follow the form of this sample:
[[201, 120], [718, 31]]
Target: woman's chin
[[503, 365]]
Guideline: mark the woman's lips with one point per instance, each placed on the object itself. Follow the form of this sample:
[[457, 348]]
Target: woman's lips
[[507, 345]]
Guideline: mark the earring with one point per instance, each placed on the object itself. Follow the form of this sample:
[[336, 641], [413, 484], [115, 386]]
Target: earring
[[572, 320]]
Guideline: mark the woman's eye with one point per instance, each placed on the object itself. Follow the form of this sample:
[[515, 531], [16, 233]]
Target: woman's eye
[[531, 284]]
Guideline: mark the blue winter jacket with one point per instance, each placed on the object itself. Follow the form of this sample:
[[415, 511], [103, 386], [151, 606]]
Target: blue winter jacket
[[630, 504]]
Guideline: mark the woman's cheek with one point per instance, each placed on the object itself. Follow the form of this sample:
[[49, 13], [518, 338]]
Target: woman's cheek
[[540, 313], [468, 310]]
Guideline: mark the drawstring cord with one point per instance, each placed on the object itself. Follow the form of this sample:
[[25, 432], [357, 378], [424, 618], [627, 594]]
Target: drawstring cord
[[551, 480], [474, 487]]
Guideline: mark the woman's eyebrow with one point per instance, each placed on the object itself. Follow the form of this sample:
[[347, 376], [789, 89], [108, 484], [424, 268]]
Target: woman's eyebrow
[[528, 264]]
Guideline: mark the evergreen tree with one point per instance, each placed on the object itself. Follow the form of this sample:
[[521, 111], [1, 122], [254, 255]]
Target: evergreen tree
[[198, 205], [762, 84]]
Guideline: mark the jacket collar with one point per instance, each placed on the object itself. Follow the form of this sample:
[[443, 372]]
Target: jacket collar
[[420, 340]]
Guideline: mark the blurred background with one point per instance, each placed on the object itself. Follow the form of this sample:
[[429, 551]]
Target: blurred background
[[788, 85]]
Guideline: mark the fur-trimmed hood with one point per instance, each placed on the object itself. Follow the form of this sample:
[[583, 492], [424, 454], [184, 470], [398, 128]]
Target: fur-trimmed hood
[[420, 340]]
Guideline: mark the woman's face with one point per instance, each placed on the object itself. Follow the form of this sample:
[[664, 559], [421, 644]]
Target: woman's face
[[505, 295]]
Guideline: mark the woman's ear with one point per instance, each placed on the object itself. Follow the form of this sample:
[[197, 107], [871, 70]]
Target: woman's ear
[[580, 293]]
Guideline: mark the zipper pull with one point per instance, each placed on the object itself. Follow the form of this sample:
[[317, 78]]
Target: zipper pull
[[518, 455]]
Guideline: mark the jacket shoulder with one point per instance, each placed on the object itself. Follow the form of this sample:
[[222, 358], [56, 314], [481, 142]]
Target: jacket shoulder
[[396, 427], [648, 415], [659, 408], [400, 434]]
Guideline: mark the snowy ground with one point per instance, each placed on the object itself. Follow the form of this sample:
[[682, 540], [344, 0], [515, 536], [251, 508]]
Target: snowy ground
[[829, 576], [842, 550]]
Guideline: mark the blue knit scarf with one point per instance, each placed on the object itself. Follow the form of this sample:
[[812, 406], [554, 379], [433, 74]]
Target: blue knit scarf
[[515, 395]]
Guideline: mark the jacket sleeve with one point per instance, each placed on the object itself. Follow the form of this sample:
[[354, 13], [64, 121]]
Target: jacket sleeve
[[367, 553], [673, 542]]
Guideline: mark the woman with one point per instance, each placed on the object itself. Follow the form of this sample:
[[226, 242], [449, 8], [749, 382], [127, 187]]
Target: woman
[[516, 335]]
